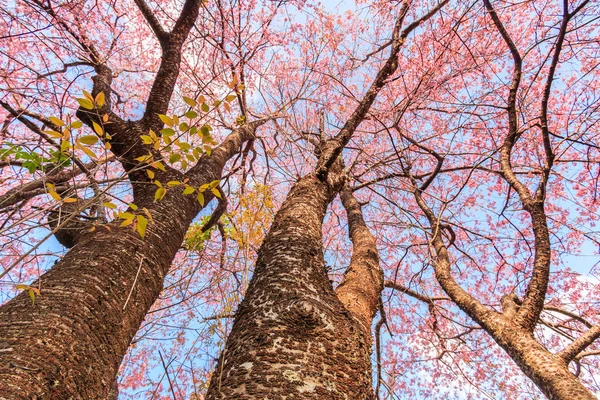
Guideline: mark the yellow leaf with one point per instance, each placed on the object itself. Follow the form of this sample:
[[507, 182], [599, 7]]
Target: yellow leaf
[[200, 198], [148, 214], [216, 192], [88, 140], [166, 119], [105, 118], [56, 121], [146, 139], [98, 129], [159, 165], [173, 183], [54, 134], [100, 99], [126, 222], [142, 223], [230, 98], [150, 173], [88, 152], [160, 193], [55, 195], [76, 124], [190, 102], [87, 95], [133, 206], [143, 158], [70, 200], [85, 103], [126, 215], [110, 205], [64, 145], [188, 190]]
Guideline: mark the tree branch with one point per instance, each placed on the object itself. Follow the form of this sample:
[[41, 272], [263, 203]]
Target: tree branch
[[572, 351]]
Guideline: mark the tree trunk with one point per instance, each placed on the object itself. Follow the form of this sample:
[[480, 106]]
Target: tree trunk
[[292, 337], [70, 343]]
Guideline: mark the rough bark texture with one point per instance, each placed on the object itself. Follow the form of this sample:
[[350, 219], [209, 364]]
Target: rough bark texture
[[361, 287], [70, 343], [292, 337]]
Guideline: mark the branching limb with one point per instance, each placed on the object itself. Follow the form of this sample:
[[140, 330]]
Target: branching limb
[[148, 14], [361, 286], [580, 344]]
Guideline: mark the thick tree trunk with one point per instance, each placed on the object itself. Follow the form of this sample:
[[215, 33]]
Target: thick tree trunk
[[70, 343], [292, 337]]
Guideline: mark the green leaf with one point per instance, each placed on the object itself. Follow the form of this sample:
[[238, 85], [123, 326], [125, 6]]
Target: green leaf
[[85, 103], [173, 158], [167, 132], [205, 131], [190, 102], [89, 140], [142, 223], [160, 193], [185, 146], [146, 139], [204, 107], [191, 114], [183, 126], [200, 198]]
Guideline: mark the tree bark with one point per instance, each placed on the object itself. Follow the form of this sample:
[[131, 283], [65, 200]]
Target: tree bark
[[292, 336], [70, 343]]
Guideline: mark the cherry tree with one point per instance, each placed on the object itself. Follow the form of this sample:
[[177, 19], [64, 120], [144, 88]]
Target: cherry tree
[[460, 138]]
